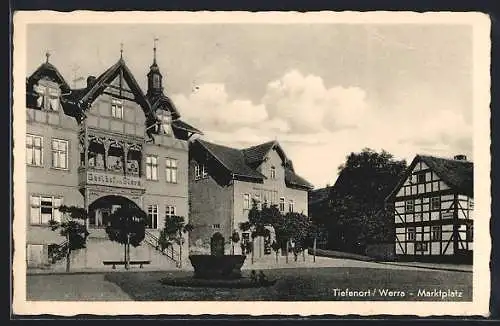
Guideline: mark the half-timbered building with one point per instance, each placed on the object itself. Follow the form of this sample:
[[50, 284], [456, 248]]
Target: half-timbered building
[[99, 147], [433, 210]]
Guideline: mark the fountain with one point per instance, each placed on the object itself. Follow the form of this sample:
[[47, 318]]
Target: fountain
[[218, 270]]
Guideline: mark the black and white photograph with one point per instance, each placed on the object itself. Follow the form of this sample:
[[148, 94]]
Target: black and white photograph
[[308, 163]]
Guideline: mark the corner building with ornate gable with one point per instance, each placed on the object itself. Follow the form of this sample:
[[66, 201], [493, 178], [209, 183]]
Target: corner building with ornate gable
[[99, 147]]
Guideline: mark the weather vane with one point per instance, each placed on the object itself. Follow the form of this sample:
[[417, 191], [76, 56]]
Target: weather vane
[[47, 55], [121, 50], [154, 49]]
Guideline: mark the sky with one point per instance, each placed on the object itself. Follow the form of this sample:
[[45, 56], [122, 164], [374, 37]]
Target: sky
[[321, 90]]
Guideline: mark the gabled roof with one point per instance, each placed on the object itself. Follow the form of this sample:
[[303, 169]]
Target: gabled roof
[[162, 101], [232, 158], [179, 124], [49, 70], [255, 155], [240, 163], [457, 174], [100, 84], [293, 179], [76, 101], [80, 100]]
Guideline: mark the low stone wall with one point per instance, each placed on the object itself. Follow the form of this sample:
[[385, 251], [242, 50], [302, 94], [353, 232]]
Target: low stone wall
[[381, 251]]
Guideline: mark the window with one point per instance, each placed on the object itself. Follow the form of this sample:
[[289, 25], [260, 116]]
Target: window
[[53, 99], [204, 172], [48, 97], [246, 201], [169, 211], [44, 209], [291, 206], [34, 151], [282, 204], [171, 170], [435, 203], [59, 154], [197, 171], [409, 205], [436, 233], [216, 226], [152, 222], [258, 202], [116, 108], [410, 234], [166, 121], [273, 172], [421, 246], [151, 167], [421, 178]]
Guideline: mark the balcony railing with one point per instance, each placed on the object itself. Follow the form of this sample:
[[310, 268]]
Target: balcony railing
[[111, 179]]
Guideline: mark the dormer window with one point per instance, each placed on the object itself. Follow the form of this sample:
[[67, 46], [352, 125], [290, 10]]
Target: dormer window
[[48, 96], [116, 108], [165, 126]]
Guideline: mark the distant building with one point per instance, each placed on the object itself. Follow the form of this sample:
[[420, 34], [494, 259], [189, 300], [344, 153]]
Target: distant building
[[433, 210], [100, 147], [224, 181]]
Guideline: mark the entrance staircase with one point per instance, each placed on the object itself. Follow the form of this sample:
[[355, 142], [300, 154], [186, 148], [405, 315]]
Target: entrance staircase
[[100, 248], [171, 254]]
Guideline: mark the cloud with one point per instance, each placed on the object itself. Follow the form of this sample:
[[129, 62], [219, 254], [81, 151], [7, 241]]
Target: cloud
[[308, 106], [318, 125], [209, 106]]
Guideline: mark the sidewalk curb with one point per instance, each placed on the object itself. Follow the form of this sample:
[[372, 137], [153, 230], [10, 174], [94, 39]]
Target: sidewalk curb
[[445, 269], [101, 272]]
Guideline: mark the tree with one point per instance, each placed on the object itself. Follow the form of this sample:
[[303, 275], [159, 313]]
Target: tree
[[235, 238], [356, 203], [282, 231], [298, 229], [259, 220], [127, 226], [172, 233], [75, 233]]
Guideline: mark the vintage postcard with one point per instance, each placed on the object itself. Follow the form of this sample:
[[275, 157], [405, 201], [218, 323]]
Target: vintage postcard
[[251, 163]]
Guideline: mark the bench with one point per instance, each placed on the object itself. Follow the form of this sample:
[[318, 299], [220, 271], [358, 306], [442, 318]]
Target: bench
[[121, 262]]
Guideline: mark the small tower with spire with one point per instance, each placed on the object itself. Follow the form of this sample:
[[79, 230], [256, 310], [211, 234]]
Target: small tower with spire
[[154, 76]]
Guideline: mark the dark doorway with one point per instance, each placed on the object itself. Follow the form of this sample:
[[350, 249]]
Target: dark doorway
[[103, 207], [217, 245]]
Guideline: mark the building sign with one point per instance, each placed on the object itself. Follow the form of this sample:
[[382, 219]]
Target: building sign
[[97, 178]]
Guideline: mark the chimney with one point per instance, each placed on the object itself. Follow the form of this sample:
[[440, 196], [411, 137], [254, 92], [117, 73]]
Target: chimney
[[90, 81], [460, 157]]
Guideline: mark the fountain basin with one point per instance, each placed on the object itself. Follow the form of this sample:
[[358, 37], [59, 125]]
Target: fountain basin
[[215, 267]]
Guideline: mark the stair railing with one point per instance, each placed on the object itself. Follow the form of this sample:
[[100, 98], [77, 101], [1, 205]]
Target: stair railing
[[169, 252]]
